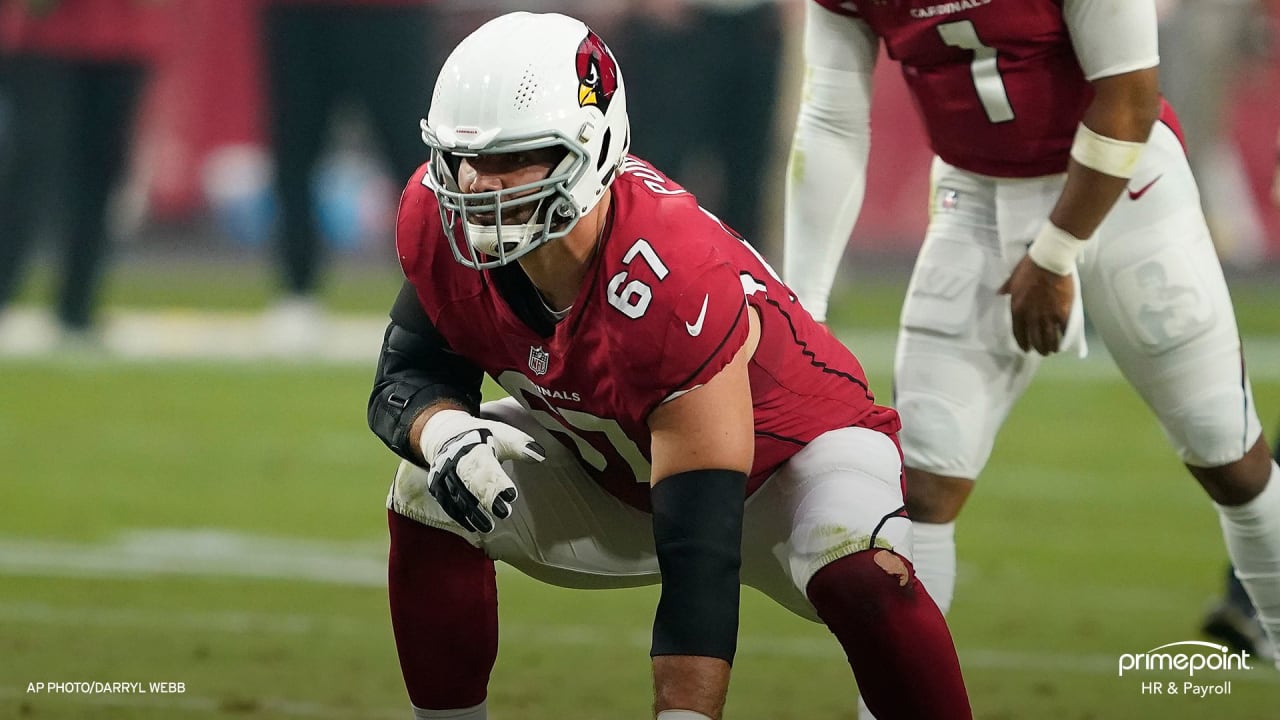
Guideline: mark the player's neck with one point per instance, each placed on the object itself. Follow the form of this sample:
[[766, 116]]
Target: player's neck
[[558, 268]]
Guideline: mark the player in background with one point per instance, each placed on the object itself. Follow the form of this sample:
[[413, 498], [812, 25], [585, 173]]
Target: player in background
[[1204, 46], [1058, 166], [323, 58], [74, 73], [675, 416]]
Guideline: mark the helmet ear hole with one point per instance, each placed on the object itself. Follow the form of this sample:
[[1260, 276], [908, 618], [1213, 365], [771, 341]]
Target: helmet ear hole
[[454, 163], [604, 149]]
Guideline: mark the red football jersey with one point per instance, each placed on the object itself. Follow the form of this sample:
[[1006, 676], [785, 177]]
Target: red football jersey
[[998, 83], [662, 309]]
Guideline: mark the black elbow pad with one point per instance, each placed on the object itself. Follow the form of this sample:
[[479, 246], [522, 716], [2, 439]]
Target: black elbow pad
[[392, 409], [697, 531], [415, 372]]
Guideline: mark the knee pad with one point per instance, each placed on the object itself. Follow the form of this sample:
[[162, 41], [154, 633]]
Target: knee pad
[[949, 413], [846, 487], [1213, 429], [938, 437]]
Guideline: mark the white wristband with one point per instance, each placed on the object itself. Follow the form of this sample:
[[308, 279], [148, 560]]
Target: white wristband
[[1107, 155], [681, 715], [1055, 249], [442, 427]]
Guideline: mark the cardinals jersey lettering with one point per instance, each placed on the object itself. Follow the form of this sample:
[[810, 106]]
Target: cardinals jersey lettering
[[997, 82], [662, 309]]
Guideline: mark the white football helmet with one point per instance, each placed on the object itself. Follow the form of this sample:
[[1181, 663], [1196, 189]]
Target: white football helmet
[[522, 82]]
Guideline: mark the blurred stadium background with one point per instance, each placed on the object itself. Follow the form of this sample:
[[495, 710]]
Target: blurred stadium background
[[181, 503]]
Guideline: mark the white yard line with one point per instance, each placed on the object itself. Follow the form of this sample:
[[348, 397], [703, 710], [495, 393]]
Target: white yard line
[[355, 339], [202, 552], [191, 335], [215, 553]]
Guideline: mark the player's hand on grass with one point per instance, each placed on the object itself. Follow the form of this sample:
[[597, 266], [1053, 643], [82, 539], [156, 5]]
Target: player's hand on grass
[[464, 457], [1041, 305]]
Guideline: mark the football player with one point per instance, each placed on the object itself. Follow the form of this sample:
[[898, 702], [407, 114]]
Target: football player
[[1058, 166], [675, 415]]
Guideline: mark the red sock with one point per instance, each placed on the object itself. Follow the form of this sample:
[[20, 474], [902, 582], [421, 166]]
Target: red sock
[[894, 636], [444, 610]]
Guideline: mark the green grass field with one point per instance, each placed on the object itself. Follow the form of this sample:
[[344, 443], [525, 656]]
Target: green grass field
[[222, 526]]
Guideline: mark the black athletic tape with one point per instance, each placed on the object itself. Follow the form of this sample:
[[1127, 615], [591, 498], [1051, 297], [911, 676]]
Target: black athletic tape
[[697, 530]]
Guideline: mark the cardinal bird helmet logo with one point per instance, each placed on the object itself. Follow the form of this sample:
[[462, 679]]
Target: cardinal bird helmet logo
[[597, 73]]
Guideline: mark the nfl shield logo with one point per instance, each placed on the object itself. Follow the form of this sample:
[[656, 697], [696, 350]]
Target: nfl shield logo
[[538, 360]]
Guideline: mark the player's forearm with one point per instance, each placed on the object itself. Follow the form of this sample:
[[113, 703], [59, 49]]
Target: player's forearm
[[690, 682], [417, 374], [405, 395], [697, 529], [826, 180], [1124, 109], [1087, 197]]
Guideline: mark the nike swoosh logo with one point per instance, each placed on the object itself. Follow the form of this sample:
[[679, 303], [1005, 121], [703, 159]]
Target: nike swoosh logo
[[1135, 194], [695, 329]]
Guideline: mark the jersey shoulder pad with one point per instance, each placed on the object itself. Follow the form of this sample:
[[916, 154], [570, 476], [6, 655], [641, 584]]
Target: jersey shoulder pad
[[424, 252], [417, 219], [675, 298], [707, 327]]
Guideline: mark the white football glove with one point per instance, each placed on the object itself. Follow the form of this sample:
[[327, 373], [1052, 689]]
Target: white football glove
[[464, 457]]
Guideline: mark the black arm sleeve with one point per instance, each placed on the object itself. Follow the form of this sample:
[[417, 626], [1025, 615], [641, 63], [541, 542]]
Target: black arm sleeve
[[697, 531], [416, 369]]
